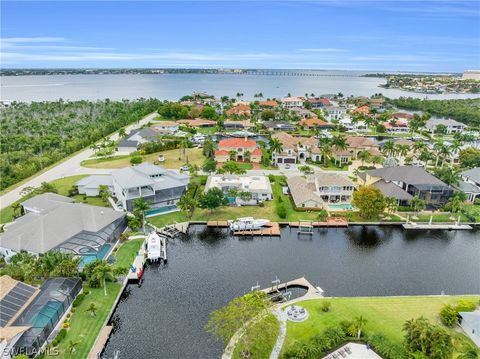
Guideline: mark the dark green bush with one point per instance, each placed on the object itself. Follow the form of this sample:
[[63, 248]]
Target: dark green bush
[[281, 210], [78, 300], [465, 305], [449, 316]]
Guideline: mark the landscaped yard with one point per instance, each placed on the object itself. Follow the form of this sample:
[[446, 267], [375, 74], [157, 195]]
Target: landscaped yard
[[126, 253], [62, 185], [331, 166], [384, 314], [172, 159], [83, 327]]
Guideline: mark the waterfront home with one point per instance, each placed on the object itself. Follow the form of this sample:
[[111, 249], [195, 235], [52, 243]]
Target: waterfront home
[[273, 126], [451, 125], [403, 116], [268, 104], [237, 125], [317, 191], [413, 180], [136, 137], [295, 149], [292, 102], [233, 186], [160, 187], [197, 122], [239, 110], [319, 102], [29, 314], [470, 324], [335, 112], [166, 127], [362, 110], [90, 185], [341, 157], [54, 222], [238, 149], [470, 184], [312, 123], [357, 144], [352, 125], [398, 126], [302, 112]]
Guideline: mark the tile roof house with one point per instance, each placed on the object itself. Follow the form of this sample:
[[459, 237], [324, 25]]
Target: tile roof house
[[398, 126], [295, 148], [364, 110], [410, 179], [303, 112], [197, 122], [291, 102], [357, 144], [319, 102], [313, 122], [402, 116], [54, 222], [278, 126], [239, 110], [451, 125], [136, 137], [258, 186], [166, 127], [241, 149], [268, 104], [229, 124]]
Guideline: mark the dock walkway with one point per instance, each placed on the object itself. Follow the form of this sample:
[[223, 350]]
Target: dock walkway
[[445, 226]]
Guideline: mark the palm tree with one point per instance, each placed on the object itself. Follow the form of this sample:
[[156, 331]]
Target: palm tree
[[140, 206], [451, 176], [389, 148], [187, 203], [122, 133], [183, 149], [402, 151], [391, 204], [72, 346], [103, 272], [325, 148], [359, 323], [363, 155], [417, 204], [92, 309]]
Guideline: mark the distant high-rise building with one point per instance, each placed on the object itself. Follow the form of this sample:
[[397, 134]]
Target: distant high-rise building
[[471, 75]]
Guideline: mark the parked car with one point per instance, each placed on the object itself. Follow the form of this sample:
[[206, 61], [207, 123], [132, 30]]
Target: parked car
[[287, 166], [185, 168]]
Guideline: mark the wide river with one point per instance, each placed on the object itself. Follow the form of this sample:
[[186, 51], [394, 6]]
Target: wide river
[[165, 317], [174, 86]]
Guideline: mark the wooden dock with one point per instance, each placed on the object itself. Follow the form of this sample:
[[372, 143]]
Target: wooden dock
[[100, 343], [221, 224], [138, 263], [299, 282], [331, 222], [423, 226], [273, 229]]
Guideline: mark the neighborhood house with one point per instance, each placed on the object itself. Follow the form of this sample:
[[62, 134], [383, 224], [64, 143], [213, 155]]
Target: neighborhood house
[[235, 187], [238, 149]]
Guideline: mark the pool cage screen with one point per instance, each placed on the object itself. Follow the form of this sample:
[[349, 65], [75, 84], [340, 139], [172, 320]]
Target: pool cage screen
[[45, 311]]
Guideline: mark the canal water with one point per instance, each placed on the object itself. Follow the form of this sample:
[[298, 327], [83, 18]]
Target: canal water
[[165, 317]]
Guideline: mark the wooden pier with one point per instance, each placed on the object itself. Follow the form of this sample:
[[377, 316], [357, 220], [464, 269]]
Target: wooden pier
[[273, 229], [221, 224], [331, 222], [424, 226]]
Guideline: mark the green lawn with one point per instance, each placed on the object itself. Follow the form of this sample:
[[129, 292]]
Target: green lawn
[[172, 159], [437, 217], [384, 314], [126, 253], [83, 327], [259, 348], [331, 166]]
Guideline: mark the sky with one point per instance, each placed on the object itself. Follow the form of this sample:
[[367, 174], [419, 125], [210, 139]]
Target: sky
[[400, 35]]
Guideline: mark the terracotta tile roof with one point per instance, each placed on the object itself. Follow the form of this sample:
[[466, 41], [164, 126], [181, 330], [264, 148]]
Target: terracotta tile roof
[[166, 123], [360, 142], [268, 103], [221, 152], [363, 109], [239, 110], [256, 152], [237, 142], [313, 122], [289, 141], [403, 115], [197, 122]]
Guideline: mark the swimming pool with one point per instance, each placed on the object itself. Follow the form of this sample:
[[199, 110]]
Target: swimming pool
[[50, 313], [89, 258], [161, 210], [341, 207]]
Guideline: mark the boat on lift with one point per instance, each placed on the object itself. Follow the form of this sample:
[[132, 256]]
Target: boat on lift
[[154, 247], [247, 223]]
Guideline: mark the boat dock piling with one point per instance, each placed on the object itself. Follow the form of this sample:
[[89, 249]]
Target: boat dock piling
[[273, 229]]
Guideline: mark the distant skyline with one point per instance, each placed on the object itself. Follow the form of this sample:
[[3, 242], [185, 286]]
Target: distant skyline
[[417, 36]]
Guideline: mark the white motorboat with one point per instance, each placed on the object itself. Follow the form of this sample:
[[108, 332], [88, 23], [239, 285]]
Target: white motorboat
[[154, 247], [247, 223]]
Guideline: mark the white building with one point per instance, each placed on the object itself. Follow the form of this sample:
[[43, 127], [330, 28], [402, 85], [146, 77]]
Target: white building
[[335, 112], [259, 188], [451, 125], [166, 127], [470, 323], [292, 102]]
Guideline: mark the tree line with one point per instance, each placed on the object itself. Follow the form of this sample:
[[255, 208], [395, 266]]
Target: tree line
[[36, 135]]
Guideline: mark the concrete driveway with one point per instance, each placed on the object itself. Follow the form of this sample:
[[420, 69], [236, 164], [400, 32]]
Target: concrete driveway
[[70, 167]]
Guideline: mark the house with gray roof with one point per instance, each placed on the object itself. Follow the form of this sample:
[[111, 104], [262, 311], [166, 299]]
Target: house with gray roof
[[411, 180], [451, 125], [54, 222], [136, 137], [303, 194], [160, 187], [470, 324], [90, 185], [470, 184]]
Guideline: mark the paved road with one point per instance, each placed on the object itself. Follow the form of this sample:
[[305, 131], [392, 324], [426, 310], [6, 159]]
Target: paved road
[[70, 167]]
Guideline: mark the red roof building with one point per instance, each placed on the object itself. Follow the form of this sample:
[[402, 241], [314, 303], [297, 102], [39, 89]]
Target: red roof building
[[238, 149]]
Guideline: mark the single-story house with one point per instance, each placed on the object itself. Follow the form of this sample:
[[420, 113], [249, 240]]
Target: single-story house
[[197, 122], [54, 222], [303, 193], [166, 127], [313, 122], [90, 185], [136, 137], [267, 104], [259, 187], [237, 125], [470, 184], [278, 126], [303, 112]]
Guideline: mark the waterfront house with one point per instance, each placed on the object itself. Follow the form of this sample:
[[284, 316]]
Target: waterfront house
[[303, 193], [237, 125], [451, 125], [302, 112], [54, 222], [397, 126], [268, 104], [238, 149], [259, 188], [312, 123], [136, 137], [362, 110], [197, 122], [29, 315], [335, 112], [166, 127], [470, 184], [413, 180], [357, 144], [341, 156], [90, 185], [403, 116], [273, 126], [295, 149], [292, 102], [160, 187], [239, 110], [319, 102]]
